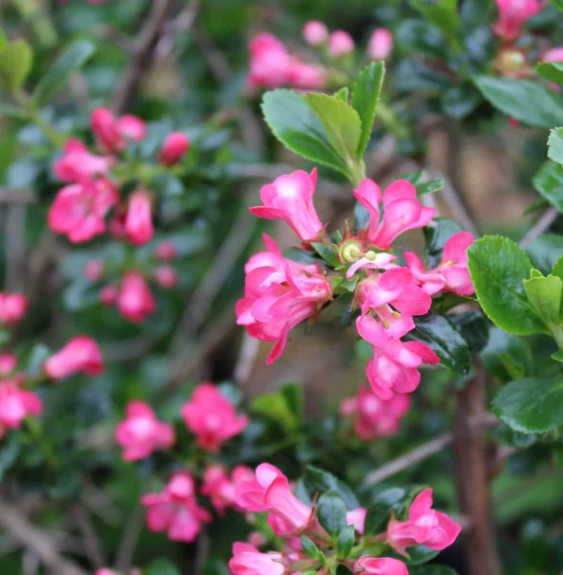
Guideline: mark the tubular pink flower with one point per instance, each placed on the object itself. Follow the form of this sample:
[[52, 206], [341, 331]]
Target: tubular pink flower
[[290, 198], [554, 54], [513, 14], [132, 127], [212, 417], [176, 510], [374, 417], [367, 565], [109, 294], [248, 560], [306, 76], [401, 211], [279, 294], [270, 62], [175, 146], [112, 133], [16, 404], [220, 488], [79, 209], [340, 43], [165, 251], [77, 163], [394, 365], [141, 433], [138, 220], [357, 518], [135, 300], [12, 308], [166, 276], [380, 44], [8, 362], [423, 527], [80, 355], [94, 270], [315, 33], [452, 274]]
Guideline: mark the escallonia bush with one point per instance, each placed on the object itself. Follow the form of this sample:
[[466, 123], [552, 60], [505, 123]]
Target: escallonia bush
[[138, 234]]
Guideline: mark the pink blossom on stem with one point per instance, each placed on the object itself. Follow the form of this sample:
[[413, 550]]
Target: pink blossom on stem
[[247, 560], [452, 274], [8, 362], [176, 510], [212, 417], [175, 146], [166, 276], [16, 404], [290, 198], [380, 44], [513, 14], [109, 294], [367, 565], [141, 433], [394, 365], [112, 133], [306, 76], [220, 488], [79, 210], [554, 54], [12, 308], [401, 211], [279, 294], [94, 270], [270, 62], [135, 300], [357, 518], [340, 43], [138, 220], [423, 527], [80, 355], [374, 417], [77, 163], [315, 33], [165, 251]]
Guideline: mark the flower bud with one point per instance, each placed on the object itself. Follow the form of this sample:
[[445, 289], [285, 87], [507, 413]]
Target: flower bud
[[380, 44], [315, 33], [174, 147], [340, 43], [166, 276]]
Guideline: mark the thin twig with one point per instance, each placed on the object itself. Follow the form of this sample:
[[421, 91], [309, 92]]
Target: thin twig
[[15, 247], [542, 225], [128, 543], [91, 541], [36, 540]]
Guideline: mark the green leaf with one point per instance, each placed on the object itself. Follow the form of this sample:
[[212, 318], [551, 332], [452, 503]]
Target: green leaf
[[443, 14], [558, 355], [498, 267], [442, 336], [432, 570], [379, 511], [9, 450], [545, 295], [293, 394], [474, 328], [310, 549], [365, 96], [553, 71], [555, 145], [558, 268], [437, 233], [531, 405], [327, 253], [524, 100], [331, 511], [549, 183], [430, 187], [296, 125], [275, 407], [506, 356], [545, 251], [558, 4], [16, 59], [346, 540], [162, 567], [71, 60], [342, 94], [418, 554], [319, 481]]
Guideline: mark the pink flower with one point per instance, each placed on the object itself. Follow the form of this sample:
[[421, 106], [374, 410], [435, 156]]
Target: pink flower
[[248, 560], [77, 163], [423, 527], [94, 270], [553, 55], [401, 211], [109, 294], [357, 518], [306, 76], [141, 433], [138, 220], [212, 417], [513, 14], [176, 509], [270, 62], [279, 294], [12, 307], [165, 251], [367, 565], [340, 43], [374, 417], [220, 488], [80, 355], [16, 404], [394, 365], [315, 33], [166, 276], [290, 198], [8, 362], [174, 147], [112, 133], [79, 209], [135, 300], [380, 44], [452, 274]]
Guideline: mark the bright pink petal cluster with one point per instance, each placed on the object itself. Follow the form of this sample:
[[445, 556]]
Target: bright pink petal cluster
[[279, 293], [77, 163], [380, 44], [174, 148], [340, 43], [367, 565], [138, 225], [513, 14], [176, 509], [221, 488], [141, 433], [135, 300], [112, 133], [212, 417], [423, 527], [12, 308], [80, 355], [315, 33], [375, 417], [247, 560], [16, 404]]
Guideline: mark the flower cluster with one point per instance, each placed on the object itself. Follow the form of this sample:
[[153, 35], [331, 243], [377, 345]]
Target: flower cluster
[[269, 491], [511, 17], [280, 293]]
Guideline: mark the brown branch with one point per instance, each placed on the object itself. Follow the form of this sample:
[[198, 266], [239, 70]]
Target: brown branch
[[91, 541], [15, 247], [542, 225], [129, 540], [36, 540]]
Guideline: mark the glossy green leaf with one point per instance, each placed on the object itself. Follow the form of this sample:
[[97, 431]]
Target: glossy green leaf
[[346, 539], [327, 253], [379, 512], [331, 511], [545, 251], [9, 450], [442, 336], [16, 59], [318, 481], [558, 268], [555, 145], [162, 567], [498, 267], [365, 96], [558, 355], [524, 100], [432, 570], [531, 405], [70, 61], [545, 293], [430, 187], [444, 15], [437, 233], [310, 549], [549, 183], [558, 4], [474, 328], [418, 554], [553, 71]]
